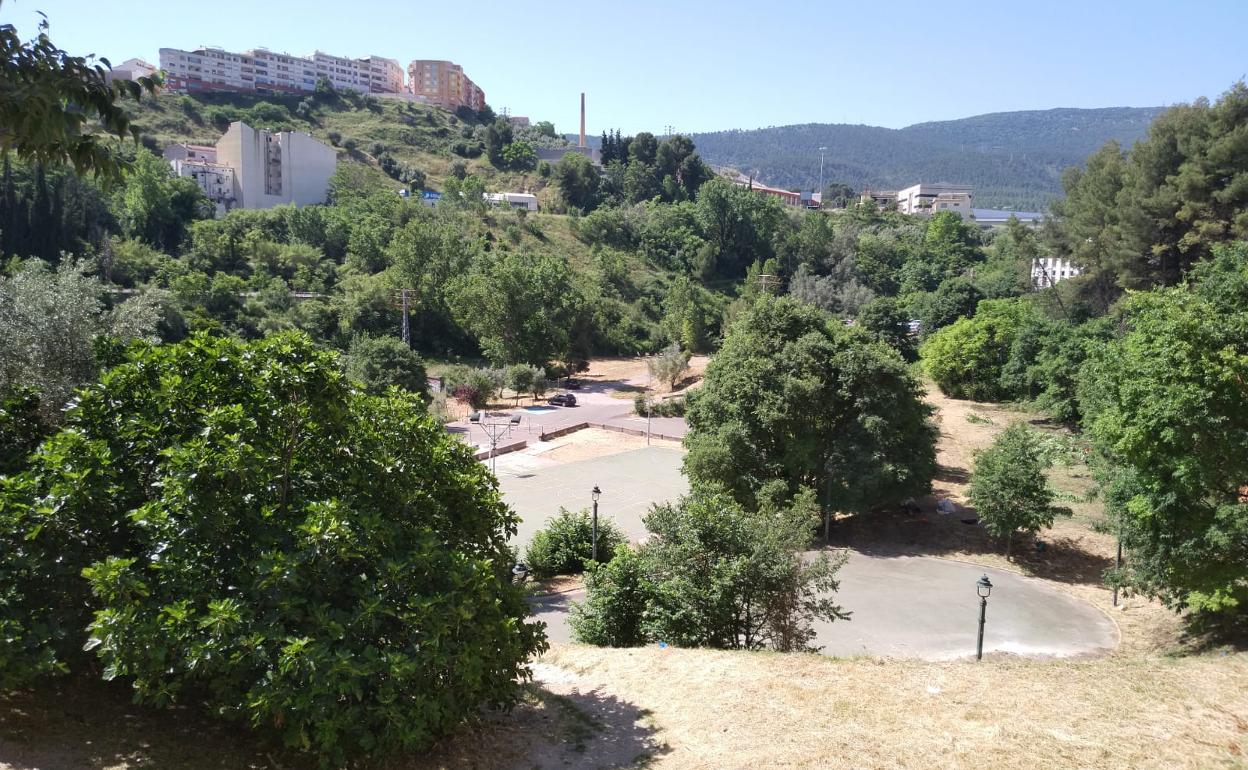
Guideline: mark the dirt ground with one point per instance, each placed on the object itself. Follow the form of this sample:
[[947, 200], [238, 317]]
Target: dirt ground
[[589, 443], [633, 372]]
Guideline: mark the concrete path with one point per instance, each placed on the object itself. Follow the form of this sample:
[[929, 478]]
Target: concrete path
[[923, 607]]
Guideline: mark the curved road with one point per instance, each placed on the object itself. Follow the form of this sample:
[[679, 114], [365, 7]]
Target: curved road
[[924, 607]]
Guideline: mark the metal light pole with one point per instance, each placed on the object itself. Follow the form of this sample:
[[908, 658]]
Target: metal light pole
[[594, 548], [649, 407], [822, 150], [495, 430], [983, 587]]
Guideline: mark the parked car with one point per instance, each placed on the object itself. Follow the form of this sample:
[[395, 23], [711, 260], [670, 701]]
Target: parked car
[[562, 399]]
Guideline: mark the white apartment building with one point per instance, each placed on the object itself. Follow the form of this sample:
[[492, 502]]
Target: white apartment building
[[263, 71], [1049, 271], [256, 169], [130, 69], [927, 199]]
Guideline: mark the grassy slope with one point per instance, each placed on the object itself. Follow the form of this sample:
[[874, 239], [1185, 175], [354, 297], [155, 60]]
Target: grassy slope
[[416, 134]]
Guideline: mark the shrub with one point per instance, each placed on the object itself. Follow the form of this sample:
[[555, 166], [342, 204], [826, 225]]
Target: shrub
[[613, 613], [716, 575], [1008, 485], [239, 528], [564, 545], [334, 137]]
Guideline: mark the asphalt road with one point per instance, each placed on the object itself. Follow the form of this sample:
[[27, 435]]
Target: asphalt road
[[927, 608]]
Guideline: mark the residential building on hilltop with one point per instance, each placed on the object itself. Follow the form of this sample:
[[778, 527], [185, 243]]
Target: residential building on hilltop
[[256, 169], [130, 69], [443, 83], [262, 71]]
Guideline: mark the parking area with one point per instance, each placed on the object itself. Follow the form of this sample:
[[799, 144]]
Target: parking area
[[631, 482]]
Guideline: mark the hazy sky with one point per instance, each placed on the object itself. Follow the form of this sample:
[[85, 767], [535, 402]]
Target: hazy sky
[[717, 64]]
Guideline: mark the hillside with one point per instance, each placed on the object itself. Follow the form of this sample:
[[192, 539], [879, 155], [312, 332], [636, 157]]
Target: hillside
[[418, 137], [1012, 159]]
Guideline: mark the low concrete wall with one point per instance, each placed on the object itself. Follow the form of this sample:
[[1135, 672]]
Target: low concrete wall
[[633, 431]]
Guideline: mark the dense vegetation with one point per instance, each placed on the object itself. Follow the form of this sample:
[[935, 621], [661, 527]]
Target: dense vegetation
[[1013, 160], [231, 523], [222, 479]]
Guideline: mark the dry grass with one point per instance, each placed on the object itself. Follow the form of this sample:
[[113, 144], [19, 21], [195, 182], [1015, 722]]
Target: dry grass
[[725, 710]]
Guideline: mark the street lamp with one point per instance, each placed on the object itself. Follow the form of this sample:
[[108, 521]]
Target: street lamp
[[983, 587], [594, 549], [822, 150]]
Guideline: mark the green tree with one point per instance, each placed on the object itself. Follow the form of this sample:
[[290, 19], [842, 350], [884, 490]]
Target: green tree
[[50, 325], [241, 529], [1164, 403], [967, 358], [381, 362], [578, 181], [1009, 488], [519, 156], [48, 100], [519, 378], [545, 128], [517, 305], [884, 319], [794, 400], [669, 365], [497, 137]]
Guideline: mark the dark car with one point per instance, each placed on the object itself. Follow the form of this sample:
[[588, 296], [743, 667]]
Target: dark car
[[562, 399]]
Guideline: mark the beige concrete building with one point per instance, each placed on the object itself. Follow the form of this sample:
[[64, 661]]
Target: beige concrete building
[[257, 169], [263, 71], [514, 200], [130, 69], [443, 83], [927, 199]]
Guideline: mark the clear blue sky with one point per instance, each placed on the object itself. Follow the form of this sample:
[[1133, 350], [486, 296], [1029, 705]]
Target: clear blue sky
[[718, 64]]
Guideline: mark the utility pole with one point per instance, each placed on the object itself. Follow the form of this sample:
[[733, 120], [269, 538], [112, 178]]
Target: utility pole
[[407, 330]]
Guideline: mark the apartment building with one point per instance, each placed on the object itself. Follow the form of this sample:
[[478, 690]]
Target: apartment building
[[255, 169], [130, 69], [263, 71], [927, 199], [443, 83]]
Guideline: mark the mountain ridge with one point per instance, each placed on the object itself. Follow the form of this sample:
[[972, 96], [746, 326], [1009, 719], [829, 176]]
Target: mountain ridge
[[1011, 159]]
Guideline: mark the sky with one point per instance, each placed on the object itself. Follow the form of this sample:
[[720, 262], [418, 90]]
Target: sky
[[709, 65]]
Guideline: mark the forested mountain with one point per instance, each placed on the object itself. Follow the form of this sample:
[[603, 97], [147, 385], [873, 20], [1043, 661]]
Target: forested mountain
[[1012, 159]]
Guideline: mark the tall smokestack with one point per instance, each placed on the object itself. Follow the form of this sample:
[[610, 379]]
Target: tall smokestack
[[582, 119]]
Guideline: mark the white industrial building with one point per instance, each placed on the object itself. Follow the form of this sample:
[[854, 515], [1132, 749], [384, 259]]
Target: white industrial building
[[256, 169], [1049, 271], [524, 201], [927, 199]]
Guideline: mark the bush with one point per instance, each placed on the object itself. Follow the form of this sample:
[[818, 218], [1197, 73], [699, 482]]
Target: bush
[[564, 545], [334, 137], [240, 529], [715, 575], [613, 613]]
